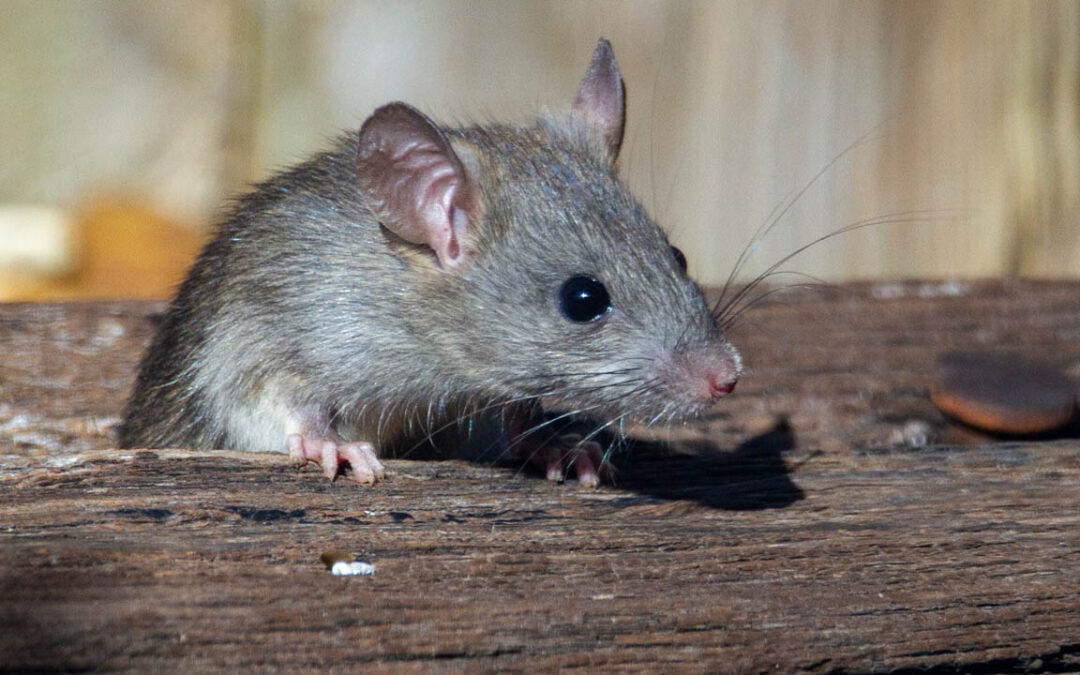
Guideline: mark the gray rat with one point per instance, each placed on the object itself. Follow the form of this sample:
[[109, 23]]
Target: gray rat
[[414, 273]]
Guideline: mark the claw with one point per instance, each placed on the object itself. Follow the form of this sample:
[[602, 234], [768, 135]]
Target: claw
[[551, 459], [329, 459]]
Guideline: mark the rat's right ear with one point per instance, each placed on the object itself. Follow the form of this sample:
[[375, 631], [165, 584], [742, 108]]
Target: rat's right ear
[[417, 186], [600, 103]]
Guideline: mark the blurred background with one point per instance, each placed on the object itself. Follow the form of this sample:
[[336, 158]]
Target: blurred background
[[125, 125]]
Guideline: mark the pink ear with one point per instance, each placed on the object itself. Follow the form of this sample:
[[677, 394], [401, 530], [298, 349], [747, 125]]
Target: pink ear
[[601, 102], [415, 183]]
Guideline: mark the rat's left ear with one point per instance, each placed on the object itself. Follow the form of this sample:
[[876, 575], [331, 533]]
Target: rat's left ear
[[418, 187], [600, 103]]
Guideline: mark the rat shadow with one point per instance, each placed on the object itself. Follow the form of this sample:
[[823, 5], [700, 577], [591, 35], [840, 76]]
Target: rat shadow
[[751, 477]]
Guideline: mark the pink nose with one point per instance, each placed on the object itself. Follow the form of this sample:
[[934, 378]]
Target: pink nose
[[718, 388]]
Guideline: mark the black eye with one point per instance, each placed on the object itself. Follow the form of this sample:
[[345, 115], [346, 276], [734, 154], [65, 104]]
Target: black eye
[[583, 299], [679, 258]]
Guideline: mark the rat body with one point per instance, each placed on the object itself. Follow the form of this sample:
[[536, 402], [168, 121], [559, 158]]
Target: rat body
[[413, 272]]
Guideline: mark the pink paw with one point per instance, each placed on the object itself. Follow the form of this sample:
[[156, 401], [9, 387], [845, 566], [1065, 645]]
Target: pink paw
[[587, 458], [366, 467]]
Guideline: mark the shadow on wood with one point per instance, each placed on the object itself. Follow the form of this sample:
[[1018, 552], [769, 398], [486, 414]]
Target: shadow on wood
[[754, 476]]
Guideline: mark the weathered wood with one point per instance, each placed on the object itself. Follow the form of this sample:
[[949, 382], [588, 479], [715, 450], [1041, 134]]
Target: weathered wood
[[837, 541]]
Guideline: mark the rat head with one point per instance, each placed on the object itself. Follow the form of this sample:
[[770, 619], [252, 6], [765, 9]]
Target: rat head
[[536, 273]]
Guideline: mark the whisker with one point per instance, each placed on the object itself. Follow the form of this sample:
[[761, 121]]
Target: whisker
[[729, 321], [887, 219], [775, 216]]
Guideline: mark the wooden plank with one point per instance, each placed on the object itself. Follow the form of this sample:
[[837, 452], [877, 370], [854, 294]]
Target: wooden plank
[[833, 542]]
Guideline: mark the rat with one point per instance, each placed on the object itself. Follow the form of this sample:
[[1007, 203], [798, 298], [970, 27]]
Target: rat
[[415, 274]]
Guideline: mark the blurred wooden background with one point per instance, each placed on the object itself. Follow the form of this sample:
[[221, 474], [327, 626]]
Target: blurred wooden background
[[131, 121]]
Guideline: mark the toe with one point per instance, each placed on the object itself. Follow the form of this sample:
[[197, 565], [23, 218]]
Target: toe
[[329, 460], [551, 461], [367, 454], [585, 465], [366, 467]]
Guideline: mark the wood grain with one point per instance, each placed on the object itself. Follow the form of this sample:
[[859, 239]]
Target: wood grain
[[810, 525]]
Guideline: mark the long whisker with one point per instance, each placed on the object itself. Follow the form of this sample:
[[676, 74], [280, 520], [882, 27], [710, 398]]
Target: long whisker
[[812, 282], [887, 219], [730, 320], [775, 216]]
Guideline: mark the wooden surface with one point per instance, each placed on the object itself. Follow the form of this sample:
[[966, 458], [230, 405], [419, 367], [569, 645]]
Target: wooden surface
[[807, 526]]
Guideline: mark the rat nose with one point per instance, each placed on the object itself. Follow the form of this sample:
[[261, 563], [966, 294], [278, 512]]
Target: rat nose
[[721, 386]]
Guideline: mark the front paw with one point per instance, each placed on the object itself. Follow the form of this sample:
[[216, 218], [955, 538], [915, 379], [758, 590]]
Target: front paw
[[366, 467], [587, 458]]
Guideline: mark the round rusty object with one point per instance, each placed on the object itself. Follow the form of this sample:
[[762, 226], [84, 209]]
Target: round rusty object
[[1002, 392]]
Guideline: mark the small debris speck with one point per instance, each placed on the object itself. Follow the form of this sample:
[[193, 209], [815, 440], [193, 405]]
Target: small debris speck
[[346, 569]]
